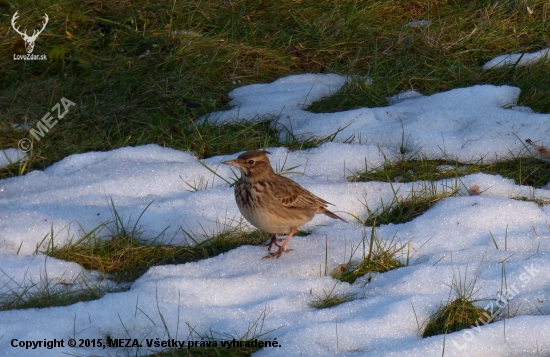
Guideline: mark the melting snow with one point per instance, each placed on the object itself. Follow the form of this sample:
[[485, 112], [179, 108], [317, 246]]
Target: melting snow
[[518, 59], [226, 293]]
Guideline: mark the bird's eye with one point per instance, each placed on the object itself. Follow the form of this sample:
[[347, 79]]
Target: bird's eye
[[251, 162]]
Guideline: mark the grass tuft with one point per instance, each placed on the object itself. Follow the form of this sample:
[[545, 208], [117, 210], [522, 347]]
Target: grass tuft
[[331, 299], [402, 210], [461, 312], [48, 293], [381, 257]]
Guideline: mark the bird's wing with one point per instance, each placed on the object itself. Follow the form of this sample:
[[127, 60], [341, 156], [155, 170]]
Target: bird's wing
[[292, 195]]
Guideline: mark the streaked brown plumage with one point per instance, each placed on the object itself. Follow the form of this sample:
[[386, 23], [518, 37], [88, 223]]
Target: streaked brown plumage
[[271, 202]]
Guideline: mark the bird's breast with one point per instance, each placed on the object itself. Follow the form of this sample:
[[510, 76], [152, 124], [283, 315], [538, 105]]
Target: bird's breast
[[263, 210]]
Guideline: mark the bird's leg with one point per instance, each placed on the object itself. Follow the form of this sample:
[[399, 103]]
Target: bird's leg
[[273, 240], [282, 248]]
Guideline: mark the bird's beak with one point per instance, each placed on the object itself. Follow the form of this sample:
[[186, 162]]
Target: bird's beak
[[232, 163]]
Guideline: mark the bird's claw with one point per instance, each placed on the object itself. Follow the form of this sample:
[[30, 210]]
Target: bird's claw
[[271, 242], [277, 254]]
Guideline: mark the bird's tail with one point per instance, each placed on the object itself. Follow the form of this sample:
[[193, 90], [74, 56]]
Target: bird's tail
[[332, 215]]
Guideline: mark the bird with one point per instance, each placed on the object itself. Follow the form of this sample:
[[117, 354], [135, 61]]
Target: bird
[[542, 150], [271, 202]]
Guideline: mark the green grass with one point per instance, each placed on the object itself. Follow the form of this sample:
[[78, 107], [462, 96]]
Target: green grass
[[402, 209], [125, 257], [122, 258], [405, 210], [529, 171], [331, 299], [379, 256], [380, 261], [459, 314], [48, 293], [143, 72]]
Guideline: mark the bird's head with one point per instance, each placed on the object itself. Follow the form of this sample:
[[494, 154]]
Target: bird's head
[[252, 164]]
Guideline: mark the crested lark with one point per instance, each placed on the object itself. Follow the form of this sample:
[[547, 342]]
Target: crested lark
[[271, 202]]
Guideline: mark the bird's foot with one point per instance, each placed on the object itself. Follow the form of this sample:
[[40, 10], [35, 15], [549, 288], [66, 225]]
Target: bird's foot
[[273, 240], [278, 253]]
